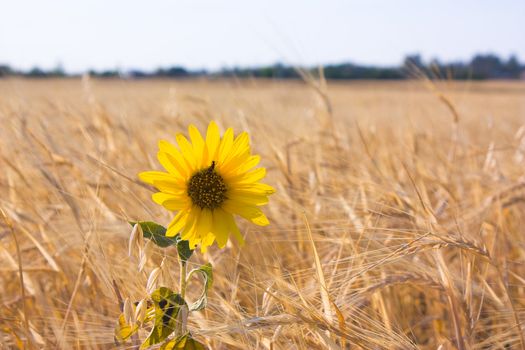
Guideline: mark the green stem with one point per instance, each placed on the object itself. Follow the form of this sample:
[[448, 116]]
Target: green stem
[[182, 282], [182, 285]]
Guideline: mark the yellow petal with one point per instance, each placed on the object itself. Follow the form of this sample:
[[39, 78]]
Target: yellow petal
[[256, 188], [240, 146], [242, 165], [170, 185], [175, 157], [205, 223], [188, 233], [248, 198], [207, 241], [170, 201], [180, 203], [150, 176], [250, 213], [232, 227], [168, 147], [187, 152], [177, 223], [171, 165], [220, 227], [213, 139], [165, 162], [161, 197], [198, 145], [246, 178], [225, 146]]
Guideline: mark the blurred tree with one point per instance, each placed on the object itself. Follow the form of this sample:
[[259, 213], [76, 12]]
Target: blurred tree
[[58, 71], [36, 72], [482, 66], [413, 60], [512, 68], [5, 71], [486, 66]]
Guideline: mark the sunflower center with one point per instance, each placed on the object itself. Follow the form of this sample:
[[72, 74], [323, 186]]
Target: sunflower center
[[206, 188]]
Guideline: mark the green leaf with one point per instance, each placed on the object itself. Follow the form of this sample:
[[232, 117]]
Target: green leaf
[[167, 306], [207, 274], [185, 342], [183, 248], [155, 232], [123, 330]]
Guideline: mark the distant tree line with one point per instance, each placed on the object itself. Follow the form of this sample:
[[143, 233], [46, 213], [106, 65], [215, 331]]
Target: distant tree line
[[480, 67]]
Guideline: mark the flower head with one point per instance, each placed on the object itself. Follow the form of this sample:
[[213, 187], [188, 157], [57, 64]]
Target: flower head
[[207, 182]]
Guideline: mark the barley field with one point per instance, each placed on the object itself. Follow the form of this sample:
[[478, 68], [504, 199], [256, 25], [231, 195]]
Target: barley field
[[398, 221]]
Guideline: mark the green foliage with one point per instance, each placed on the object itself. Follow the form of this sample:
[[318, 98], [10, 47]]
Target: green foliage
[[207, 274], [157, 233], [167, 307], [124, 330], [185, 342], [183, 248]]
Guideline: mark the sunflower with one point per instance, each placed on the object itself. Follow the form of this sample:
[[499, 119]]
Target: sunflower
[[207, 182]]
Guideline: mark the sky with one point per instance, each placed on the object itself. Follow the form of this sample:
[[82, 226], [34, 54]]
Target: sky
[[210, 34]]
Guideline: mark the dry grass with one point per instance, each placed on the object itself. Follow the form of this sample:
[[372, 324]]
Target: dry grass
[[412, 198]]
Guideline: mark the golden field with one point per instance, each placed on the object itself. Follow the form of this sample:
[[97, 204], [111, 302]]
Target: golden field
[[398, 222]]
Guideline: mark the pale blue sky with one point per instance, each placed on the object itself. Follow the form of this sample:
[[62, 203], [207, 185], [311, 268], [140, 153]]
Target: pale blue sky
[[210, 34]]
